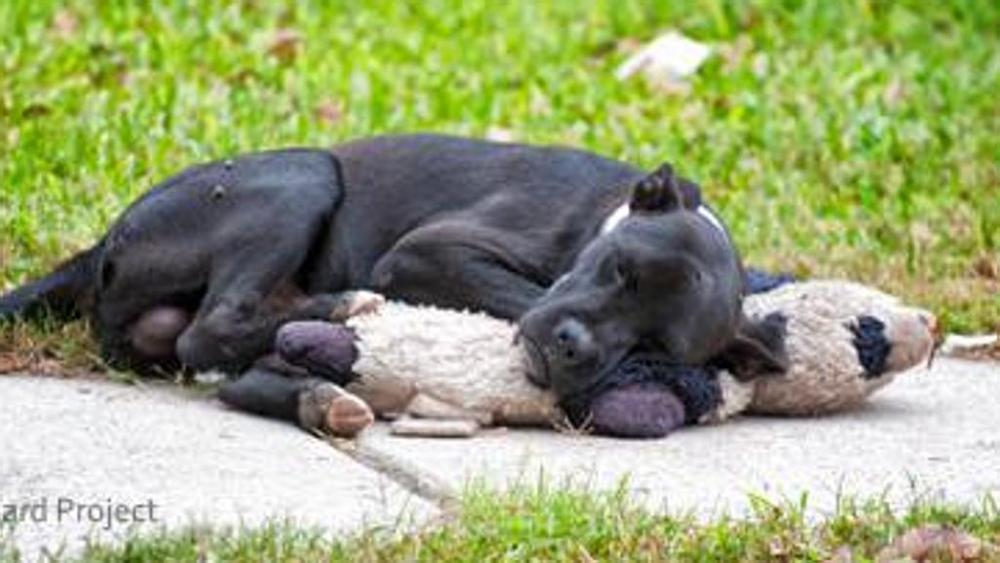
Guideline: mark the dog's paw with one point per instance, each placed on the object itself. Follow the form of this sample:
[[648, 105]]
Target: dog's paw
[[356, 303]]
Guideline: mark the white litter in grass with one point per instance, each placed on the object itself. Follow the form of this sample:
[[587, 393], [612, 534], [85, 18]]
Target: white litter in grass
[[500, 135], [671, 57], [958, 343], [212, 377]]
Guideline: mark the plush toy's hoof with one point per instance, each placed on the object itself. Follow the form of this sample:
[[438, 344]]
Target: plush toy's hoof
[[639, 410], [355, 303], [324, 349], [347, 416], [329, 408]]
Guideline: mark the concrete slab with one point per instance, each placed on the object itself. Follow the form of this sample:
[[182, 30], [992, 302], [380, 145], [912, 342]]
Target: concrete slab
[[76, 448], [930, 433]]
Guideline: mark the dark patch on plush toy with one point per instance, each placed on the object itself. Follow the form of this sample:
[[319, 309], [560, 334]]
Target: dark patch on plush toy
[[759, 281], [324, 349], [758, 351], [637, 410], [647, 396], [872, 345]]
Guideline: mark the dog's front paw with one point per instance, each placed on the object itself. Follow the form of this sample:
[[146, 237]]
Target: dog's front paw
[[356, 303]]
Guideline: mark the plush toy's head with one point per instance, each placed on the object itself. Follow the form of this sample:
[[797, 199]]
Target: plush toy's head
[[844, 341]]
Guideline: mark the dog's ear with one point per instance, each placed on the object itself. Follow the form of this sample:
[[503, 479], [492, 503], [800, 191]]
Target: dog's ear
[[658, 192], [758, 348]]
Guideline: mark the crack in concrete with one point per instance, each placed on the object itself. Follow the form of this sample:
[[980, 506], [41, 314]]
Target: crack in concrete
[[405, 474]]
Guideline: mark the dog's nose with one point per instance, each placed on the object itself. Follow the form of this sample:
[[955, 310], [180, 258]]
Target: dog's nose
[[574, 342]]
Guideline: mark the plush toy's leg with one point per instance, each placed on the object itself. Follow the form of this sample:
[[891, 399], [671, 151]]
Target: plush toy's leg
[[354, 303], [310, 402], [637, 410], [434, 418], [434, 428], [324, 349], [426, 406], [647, 396]]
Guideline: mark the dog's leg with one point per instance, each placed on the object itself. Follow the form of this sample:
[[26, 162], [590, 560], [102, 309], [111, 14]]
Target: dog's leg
[[219, 241], [312, 403], [459, 266]]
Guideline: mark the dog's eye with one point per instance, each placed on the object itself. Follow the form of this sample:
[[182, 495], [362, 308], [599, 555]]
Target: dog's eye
[[625, 276]]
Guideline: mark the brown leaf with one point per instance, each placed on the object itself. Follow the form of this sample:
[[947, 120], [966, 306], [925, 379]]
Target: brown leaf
[[329, 111], [776, 549], [842, 555], [35, 110], [628, 45], [894, 92], [11, 362], [733, 54], [987, 266], [65, 24], [933, 542], [284, 45], [242, 77]]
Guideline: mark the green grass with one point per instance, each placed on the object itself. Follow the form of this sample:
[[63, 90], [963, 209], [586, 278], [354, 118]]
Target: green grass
[[855, 138], [572, 524]]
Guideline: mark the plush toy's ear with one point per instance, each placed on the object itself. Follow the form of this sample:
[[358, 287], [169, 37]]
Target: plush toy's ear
[[658, 192], [758, 348]]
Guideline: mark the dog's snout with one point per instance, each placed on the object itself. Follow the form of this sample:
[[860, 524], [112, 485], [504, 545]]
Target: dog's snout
[[574, 341]]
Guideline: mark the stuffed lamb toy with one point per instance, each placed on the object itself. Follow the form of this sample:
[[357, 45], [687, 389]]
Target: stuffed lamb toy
[[442, 372]]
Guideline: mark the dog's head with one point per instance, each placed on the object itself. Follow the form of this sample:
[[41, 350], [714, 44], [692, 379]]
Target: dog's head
[[665, 277]]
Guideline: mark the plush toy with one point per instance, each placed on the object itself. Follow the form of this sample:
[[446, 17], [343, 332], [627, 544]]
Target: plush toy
[[419, 365]]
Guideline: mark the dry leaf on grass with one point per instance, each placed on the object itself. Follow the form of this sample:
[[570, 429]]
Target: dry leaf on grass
[[65, 24], [330, 112], [11, 362], [933, 542], [843, 554], [987, 266], [284, 45], [894, 92]]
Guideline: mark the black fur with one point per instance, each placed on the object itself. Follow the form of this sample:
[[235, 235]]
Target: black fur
[[247, 244], [62, 295]]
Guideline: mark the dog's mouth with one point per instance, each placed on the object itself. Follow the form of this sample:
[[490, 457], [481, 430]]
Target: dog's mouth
[[536, 366], [540, 373]]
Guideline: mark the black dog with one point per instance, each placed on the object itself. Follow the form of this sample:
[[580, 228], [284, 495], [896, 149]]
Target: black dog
[[594, 257]]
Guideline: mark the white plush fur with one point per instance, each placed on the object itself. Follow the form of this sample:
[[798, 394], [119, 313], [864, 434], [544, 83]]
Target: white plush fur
[[446, 364], [825, 374], [439, 363]]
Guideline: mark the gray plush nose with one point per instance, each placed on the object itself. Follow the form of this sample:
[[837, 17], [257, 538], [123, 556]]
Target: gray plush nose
[[574, 342]]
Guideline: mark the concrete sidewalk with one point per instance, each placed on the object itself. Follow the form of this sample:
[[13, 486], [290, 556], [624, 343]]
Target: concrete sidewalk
[[930, 434], [96, 443], [71, 448]]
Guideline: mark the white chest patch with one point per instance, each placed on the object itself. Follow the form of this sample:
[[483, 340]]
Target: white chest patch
[[711, 218], [617, 216]]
